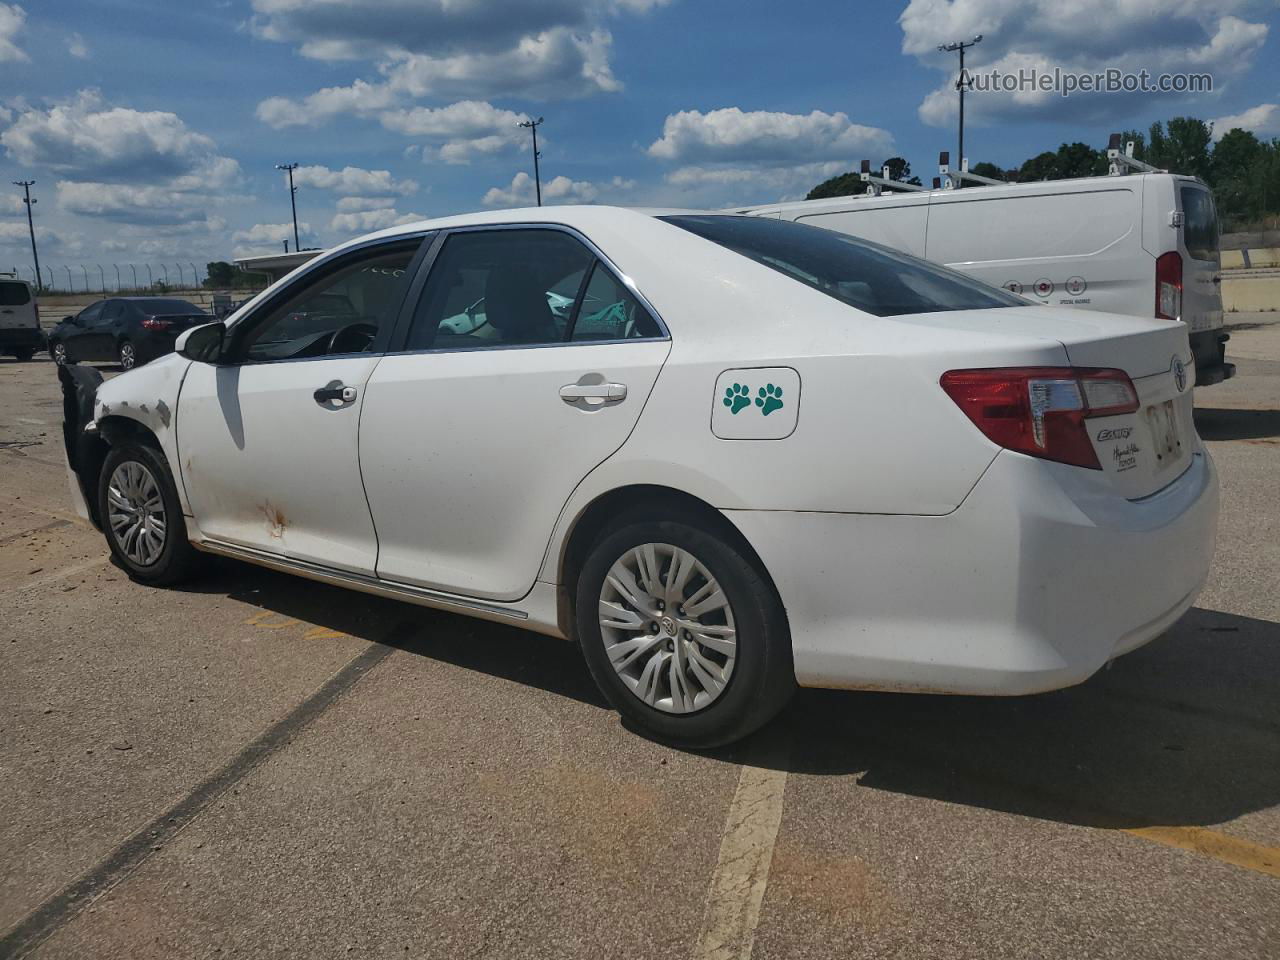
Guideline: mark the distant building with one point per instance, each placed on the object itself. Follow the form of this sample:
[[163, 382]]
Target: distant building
[[275, 265]]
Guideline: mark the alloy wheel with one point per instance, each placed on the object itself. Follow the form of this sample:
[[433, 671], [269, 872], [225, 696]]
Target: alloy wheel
[[128, 357], [59, 352], [135, 512], [667, 628]]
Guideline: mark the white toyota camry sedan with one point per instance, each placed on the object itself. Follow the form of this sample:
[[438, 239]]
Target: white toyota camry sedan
[[725, 455]]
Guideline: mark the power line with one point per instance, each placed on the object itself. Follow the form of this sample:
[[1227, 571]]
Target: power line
[[532, 127], [26, 186], [962, 82], [293, 199]]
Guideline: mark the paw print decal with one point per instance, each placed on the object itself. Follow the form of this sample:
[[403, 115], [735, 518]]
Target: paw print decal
[[736, 397], [769, 399]]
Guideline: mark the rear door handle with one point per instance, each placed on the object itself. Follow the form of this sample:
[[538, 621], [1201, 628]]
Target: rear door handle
[[608, 392], [336, 391]]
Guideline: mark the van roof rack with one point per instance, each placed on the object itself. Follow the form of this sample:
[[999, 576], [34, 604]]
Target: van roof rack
[[951, 179], [1122, 161], [877, 185]]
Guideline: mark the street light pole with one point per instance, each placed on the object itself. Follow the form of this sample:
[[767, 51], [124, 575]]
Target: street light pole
[[532, 127], [960, 46], [26, 186], [293, 199]]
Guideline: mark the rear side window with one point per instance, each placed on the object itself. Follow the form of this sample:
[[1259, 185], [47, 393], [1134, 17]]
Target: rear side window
[[14, 294], [1200, 224], [865, 275], [609, 311]]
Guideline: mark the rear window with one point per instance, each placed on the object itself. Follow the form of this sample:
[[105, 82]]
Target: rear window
[[161, 306], [14, 294], [865, 275], [1200, 224]]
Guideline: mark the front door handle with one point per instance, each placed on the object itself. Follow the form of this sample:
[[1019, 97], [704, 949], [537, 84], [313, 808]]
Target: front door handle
[[608, 392], [335, 391]]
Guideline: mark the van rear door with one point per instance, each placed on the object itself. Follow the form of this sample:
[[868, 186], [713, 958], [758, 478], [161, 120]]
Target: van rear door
[[1198, 244]]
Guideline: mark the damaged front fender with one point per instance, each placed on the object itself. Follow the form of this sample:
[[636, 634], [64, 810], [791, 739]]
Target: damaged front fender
[[84, 447]]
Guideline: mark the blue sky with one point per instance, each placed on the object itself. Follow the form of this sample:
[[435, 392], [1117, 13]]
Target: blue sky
[[152, 128]]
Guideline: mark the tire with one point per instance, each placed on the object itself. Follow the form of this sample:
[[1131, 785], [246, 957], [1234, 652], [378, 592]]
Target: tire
[[127, 468], [127, 354], [58, 352], [23, 355], [761, 678]]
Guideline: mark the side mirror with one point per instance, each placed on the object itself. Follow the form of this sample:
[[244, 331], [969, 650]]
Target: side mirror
[[202, 343], [71, 320]]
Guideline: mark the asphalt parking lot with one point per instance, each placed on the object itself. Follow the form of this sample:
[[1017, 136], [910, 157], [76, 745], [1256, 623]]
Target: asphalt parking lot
[[259, 766]]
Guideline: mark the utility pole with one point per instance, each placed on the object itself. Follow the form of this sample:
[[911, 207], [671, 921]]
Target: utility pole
[[960, 46], [532, 127], [293, 199], [26, 186]]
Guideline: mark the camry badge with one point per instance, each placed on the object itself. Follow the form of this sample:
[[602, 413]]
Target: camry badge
[[1179, 374]]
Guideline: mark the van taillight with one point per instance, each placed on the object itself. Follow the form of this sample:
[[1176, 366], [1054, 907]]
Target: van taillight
[[1169, 285], [1041, 411]]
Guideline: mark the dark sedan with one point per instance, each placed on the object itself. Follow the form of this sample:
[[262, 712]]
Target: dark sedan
[[129, 330]]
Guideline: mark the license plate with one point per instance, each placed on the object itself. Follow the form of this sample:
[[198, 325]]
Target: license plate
[[1163, 421]]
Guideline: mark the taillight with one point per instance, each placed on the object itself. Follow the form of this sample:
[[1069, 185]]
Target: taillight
[[1169, 285], [153, 323], [1041, 411]]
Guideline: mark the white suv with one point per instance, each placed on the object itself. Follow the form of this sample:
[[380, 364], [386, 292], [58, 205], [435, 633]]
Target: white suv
[[19, 318]]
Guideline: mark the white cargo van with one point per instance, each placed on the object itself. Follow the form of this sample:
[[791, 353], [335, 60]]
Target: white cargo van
[[1143, 244], [19, 318]]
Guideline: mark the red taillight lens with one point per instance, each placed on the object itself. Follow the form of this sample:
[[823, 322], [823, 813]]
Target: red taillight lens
[[152, 323], [1041, 411], [1169, 285]]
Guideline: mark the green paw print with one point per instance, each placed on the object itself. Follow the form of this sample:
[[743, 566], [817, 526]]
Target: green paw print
[[735, 398], [769, 399]]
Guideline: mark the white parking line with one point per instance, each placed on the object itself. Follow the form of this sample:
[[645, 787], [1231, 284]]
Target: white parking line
[[742, 872]]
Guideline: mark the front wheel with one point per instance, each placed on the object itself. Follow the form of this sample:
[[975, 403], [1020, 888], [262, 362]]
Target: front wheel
[[58, 352], [141, 516], [683, 633]]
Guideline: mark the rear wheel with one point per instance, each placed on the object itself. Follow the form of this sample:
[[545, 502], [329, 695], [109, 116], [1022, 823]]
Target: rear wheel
[[24, 354], [682, 632], [141, 516], [128, 355]]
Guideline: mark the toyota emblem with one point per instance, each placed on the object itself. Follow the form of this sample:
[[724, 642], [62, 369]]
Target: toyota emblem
[[1179, 374]]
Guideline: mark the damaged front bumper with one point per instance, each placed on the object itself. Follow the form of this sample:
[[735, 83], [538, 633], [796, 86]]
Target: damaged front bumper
[[85, 450]]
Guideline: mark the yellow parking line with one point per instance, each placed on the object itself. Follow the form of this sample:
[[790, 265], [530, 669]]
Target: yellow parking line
[[1220, 846]]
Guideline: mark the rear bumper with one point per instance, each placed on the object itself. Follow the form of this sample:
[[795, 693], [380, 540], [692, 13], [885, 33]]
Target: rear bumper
[[21, 338], [1032, 584], [1209, 350]]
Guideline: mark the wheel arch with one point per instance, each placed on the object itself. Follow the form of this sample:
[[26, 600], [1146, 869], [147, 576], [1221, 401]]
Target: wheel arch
[[627, 503]]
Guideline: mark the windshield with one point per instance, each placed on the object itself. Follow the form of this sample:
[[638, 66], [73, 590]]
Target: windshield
[[879, 280]]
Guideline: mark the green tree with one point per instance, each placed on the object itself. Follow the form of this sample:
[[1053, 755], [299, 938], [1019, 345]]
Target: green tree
[[985, 169], [844, 185], [1181, 146], [219, 273]]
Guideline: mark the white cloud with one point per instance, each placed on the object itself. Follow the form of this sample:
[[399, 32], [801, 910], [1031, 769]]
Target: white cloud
[[86, 138], [734, 136], [77, 47], [10, 204], [353, 181], [267, 238], [444, 49], [806, 174], [366, 221], [464, 129], [1090, 36], [357, 204], [1263, 120], [152, 206], [12, 17], [522, 191]]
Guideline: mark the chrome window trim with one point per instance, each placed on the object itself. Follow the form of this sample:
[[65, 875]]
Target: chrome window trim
[[600, 255]]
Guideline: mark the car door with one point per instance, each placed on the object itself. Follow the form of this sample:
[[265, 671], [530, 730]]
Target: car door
[[79, 337], [101, 340], [267, 435], [526, 365]]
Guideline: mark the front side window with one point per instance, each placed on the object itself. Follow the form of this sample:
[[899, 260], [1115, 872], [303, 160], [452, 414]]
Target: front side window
[[90, 315], [875, 279], [14, 294], [496, 288], [339, 310]]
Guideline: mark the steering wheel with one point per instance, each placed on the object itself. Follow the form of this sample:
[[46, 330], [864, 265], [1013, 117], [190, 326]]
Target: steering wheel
[[353, 338]]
